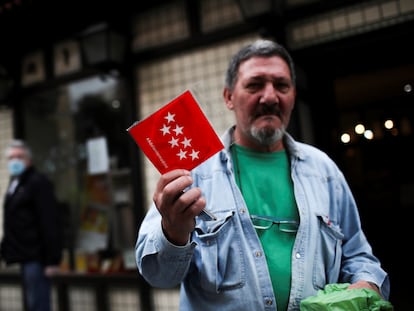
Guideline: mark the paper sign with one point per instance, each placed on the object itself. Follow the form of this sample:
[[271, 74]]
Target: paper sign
[[98, 157]]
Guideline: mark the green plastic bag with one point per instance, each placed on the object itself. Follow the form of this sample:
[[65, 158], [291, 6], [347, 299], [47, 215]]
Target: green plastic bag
[[337, 297]]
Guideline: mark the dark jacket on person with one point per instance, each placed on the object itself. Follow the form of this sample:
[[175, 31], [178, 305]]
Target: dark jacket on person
[[32, 222]]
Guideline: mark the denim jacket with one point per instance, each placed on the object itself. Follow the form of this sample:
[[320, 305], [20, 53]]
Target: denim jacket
[[223, 266]]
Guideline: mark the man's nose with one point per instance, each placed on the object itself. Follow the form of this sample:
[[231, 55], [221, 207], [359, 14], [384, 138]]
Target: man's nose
[[270, 95]]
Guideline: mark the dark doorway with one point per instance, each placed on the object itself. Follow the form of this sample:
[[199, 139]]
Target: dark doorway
[[368, 80]]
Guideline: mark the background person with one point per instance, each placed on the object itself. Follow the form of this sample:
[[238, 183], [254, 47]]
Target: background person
[[287, 223], [32, 227]]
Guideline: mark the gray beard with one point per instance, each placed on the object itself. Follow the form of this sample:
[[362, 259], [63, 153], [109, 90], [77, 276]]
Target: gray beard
[[267, 137]]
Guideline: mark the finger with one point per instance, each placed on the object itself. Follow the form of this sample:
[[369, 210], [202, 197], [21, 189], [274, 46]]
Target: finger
[[184, 219], [198, 206], [191, 200], [173, 191], [170, 185], [168, 177]]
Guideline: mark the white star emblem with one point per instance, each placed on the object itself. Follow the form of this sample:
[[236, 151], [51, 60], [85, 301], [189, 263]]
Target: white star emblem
[[194, 154], [182, 154], [173, 142], [178, 130], [165, 130], [186, 142], [169, 117]]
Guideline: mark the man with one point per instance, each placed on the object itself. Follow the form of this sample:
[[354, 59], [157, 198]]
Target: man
[[286, 222], [32, 227]]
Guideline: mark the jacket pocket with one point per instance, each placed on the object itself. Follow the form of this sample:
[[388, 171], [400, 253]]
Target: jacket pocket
[[219, 258], [328, 252]]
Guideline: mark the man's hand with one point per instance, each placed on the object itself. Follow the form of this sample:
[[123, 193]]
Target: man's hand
[[365, 284], [177, 207]]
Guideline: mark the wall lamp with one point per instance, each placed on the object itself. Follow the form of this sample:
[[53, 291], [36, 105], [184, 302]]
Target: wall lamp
[[103, 45], [266, 15], [258, 8]]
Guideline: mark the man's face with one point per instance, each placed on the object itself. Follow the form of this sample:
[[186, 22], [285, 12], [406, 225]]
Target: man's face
[[17, 153], [17, 161], [262, 100]]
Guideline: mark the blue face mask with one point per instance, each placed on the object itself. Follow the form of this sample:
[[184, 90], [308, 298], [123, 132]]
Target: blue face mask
[[16, 167]]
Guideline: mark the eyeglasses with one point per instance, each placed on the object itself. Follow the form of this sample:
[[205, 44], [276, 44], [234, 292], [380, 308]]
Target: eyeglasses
[[266, 222]]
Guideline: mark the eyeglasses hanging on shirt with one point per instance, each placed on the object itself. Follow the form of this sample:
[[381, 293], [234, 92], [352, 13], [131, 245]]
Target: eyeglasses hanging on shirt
[[266, 222]]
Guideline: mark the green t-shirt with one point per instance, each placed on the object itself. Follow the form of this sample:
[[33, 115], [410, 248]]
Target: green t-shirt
[[265, 182]]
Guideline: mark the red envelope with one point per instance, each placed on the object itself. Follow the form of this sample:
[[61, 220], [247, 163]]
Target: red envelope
[[178, 135]]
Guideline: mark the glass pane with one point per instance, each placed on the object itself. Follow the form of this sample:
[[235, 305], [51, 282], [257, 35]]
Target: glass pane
[[71, 129]]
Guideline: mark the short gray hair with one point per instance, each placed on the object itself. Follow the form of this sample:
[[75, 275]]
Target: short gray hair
[[18, 143], [259, 48]]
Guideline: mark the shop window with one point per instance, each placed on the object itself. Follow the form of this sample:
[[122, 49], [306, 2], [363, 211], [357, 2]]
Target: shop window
[[78, 135]]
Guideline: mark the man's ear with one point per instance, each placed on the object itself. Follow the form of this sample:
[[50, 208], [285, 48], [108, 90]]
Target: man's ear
[[228, 98]]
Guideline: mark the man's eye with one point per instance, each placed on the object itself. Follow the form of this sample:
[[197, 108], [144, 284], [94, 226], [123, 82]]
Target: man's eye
[[254, 85], [283, 87]]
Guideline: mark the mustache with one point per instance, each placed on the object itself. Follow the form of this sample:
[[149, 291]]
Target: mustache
[[267, 109]]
